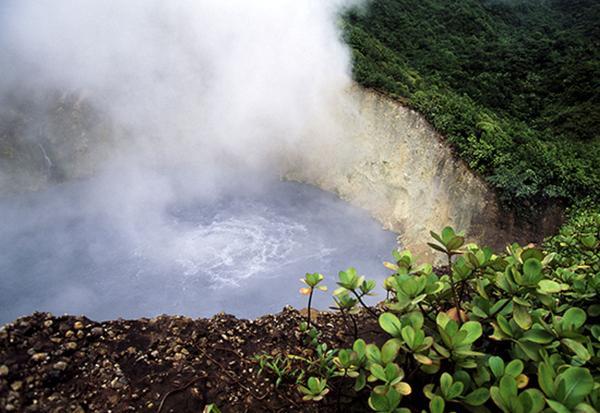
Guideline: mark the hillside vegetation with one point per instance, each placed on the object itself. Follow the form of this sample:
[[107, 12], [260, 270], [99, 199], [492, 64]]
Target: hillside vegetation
[[513, 85]]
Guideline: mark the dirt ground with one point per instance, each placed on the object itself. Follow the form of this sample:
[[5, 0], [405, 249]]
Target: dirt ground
[[163, 364]]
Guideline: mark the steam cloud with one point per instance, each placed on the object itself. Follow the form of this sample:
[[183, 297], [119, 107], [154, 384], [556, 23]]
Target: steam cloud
[[201, 98], [202, 92], [192, 81]]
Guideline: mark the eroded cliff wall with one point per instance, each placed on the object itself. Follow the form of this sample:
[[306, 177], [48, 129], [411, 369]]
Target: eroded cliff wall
[[402, 171]]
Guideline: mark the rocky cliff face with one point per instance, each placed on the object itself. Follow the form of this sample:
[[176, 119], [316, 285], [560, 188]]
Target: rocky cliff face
[[50, 138], [402, 172]]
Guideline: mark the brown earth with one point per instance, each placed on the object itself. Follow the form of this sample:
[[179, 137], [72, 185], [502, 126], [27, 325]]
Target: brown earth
[[163, 364]]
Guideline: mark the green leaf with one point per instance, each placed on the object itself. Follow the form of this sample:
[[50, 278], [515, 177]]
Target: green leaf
[[522, 317], [538, 335], [530, 350], [584, 408], [436, 237], [521, 301], [473, 330], [532, 253], [594, 310], [390, 324], [441, 350], [546, 379], [504, 325], [477, 397], [578, 383], [389, 351], [532, 268], [514, 368], [408, 335], [455, 243], [445, 383], [455, 390], [436, 247], [393, 398], [497, 398], [549, 287], [361, 382], [442, 319], [437, 405], [378, 371], [496, 307], [589, 241], [447, 235], [423, 359], [532, 400], [557, 407], [373, 353], [211, 408], [393, 373], [573, 319], [378, 402], [577, 348], [508, 388], [360, 347], [497, 366]]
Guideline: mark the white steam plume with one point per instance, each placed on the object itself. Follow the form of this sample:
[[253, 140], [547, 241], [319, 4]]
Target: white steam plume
[[213, 82]]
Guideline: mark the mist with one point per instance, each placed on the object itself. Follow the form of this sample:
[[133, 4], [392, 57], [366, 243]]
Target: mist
[[226, 84], [180, 105]]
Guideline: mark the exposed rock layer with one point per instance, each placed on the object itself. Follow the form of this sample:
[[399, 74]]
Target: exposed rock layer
[[403, 172]]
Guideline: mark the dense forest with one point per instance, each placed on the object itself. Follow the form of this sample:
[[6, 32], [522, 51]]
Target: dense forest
[[513, 85]]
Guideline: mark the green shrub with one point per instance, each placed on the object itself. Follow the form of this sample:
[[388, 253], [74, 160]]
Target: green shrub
[[511, 332], [512, 86]]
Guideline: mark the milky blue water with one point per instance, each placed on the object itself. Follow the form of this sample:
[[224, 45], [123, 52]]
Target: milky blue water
[[240, 253]]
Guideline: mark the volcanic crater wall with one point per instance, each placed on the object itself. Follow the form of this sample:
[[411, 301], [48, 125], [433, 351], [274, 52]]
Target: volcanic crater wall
[[403, 172], [386, 159]]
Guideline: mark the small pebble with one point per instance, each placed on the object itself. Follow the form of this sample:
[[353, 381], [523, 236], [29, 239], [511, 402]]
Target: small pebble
[[97, 331], [60, 365], [39, 356]]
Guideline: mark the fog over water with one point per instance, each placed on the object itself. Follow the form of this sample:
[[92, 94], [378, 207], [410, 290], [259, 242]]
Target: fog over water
[[182, 209], [241, 253]]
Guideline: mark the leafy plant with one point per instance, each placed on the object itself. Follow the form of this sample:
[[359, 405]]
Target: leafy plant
[[515, 332], [280, 367], [211, 408], [315, 389], [351, 283], [312, 281], [528, 123]]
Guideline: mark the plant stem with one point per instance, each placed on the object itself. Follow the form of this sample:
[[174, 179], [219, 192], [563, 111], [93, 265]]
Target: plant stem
[[308, 312], [347, 315], [358, 297], [355, 326], [455, 295], [339, 395], [427, 313]]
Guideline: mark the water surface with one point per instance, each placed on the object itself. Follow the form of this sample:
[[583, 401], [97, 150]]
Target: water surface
[[241, 253]]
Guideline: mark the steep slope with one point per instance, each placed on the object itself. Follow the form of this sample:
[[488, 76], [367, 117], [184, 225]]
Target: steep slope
[[407, 176], [512, 85]]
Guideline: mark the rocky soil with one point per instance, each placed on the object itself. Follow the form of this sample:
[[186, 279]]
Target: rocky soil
[[163, 364]]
